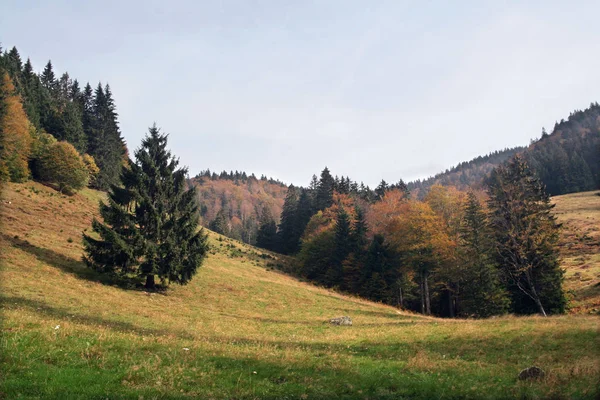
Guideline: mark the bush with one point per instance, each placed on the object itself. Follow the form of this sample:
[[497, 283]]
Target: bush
[[91, 166], [61, 164]]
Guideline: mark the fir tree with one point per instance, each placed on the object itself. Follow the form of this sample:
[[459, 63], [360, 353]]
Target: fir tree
[[150, 223], [287, 233], [526, 239], [267, 232], [324, 196], [482, 294]]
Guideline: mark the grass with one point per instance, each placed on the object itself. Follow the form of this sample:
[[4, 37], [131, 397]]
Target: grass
[[242, 330], [580, 248]]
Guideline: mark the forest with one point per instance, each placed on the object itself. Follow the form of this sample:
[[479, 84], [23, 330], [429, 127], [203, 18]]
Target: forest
[[55, 130]]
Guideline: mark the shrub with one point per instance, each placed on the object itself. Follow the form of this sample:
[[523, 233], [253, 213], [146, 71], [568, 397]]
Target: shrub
[[91, 166], [61, 164]]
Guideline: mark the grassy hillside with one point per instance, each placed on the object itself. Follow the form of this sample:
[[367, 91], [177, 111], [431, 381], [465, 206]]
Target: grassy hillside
[[243, 330], [580, 248]]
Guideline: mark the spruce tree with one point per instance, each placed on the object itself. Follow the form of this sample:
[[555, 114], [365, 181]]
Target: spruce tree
[[150, 224], [324, 196], [526, 238], [341, 250], [286, 236], [482, 294], [267, 232]]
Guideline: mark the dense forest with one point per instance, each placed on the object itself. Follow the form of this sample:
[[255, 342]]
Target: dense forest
[[440, 255], [55, 130], [235, 203]]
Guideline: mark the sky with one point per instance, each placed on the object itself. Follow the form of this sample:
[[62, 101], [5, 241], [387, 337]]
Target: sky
[[371, 89]]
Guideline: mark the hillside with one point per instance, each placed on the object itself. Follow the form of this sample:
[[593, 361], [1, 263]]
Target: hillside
[[579, 214], [244, 330], [466, 175], [239, 201], [566, 160]]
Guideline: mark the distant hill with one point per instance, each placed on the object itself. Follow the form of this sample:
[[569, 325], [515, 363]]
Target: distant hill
[[233, 203], [567, 160], [467, 174]]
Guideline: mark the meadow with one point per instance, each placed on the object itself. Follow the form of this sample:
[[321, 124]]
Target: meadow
[[244, 330]]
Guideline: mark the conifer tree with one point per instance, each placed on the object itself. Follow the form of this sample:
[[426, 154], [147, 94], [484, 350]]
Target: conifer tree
[[526, 238], [150, 224], [324, 196], [287, 236], [482, 294], [105, 143], [267, 232], [341, 250]]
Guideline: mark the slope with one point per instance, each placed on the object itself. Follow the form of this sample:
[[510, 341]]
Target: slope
[[579, 213], [243, 330], [566, 160]]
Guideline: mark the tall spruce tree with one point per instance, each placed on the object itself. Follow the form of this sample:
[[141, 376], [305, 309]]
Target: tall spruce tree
[[482, 294], [267, 232], [105, 143], [150, 224], [526, 238], [324, 196], [286, 235]]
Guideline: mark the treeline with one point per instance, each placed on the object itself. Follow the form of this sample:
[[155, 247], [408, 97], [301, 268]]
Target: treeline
[[468, 254], [237, 177], [302, 203], [247, 208], [47, 117]]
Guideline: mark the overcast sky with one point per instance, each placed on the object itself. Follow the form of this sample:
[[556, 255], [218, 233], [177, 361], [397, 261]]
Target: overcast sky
[[372, 89]]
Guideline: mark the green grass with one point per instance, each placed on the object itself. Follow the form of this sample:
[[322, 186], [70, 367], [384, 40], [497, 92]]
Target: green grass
[[242, 330]]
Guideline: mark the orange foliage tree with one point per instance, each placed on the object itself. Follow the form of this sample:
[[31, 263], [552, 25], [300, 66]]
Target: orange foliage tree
[[15, 134]]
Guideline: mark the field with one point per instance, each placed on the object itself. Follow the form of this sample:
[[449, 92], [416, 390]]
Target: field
[[243, 330]]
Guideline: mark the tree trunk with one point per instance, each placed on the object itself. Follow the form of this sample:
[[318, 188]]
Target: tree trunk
[[150, 281], [450, 305], [400, 297], [427, 301], [535, 296], [422, 296]]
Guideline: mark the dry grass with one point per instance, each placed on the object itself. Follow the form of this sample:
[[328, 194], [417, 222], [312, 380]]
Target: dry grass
[[580, 248], [243, 330]]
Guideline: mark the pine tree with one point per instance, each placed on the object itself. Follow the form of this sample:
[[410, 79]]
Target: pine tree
[[482, 294], [526, 238], [287, 235], [267, 232], [324, 196], [105, 143], [341, 250], [48, 78], [150, 223]]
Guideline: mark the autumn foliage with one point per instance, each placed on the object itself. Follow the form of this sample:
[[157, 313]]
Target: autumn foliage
[[62, 166], [15, 131]]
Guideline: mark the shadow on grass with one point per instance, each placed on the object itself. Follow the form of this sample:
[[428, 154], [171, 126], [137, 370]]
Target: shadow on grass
[[72, 266], [65, 314]]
